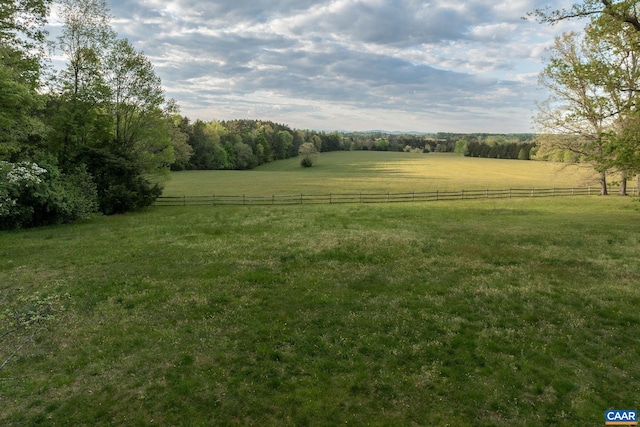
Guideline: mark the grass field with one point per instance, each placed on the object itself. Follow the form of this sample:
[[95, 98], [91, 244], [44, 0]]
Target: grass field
[[370, 171], [484, 313]]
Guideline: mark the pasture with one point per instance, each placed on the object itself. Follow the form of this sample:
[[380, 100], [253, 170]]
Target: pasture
[[518, 312], [380, 172]]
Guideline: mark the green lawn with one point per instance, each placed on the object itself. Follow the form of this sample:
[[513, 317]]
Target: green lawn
[[518, 312], [369, 171]]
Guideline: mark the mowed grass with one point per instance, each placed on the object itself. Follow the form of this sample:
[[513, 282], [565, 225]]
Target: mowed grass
[[375, 172], [519, 312]]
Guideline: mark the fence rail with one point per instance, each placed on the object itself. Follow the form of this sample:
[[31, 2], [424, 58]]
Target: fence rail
[[337, 198]]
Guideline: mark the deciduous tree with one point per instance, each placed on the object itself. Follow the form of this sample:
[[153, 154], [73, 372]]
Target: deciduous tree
[[308, 152], [577, 107]]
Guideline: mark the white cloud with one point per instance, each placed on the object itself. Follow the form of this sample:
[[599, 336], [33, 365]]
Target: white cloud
[[345, 64]]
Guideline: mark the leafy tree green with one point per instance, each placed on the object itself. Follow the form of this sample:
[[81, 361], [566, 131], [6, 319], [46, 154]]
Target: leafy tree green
[[601, 73], [22, 46], [140, 125], [83, 93], [19, 110], [182, 151], [110, 111], [308, 153], [121, 182], [577, 105], [245, 159], [381, 145], [283, 143]]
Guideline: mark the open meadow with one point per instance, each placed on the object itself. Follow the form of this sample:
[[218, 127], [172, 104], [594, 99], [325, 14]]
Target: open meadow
[[375, 171], [511, 312]]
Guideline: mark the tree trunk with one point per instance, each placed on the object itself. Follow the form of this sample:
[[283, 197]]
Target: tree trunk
[[623, 183], [603, 184]]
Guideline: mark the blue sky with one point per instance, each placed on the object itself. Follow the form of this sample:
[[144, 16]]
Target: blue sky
[[437, 65]]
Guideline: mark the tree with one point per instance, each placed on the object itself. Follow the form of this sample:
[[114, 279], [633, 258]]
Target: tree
[[19, 110], [577, 106], [22, 41], [308, 152], [85, 40], [283, 143], [624, 12], [110, 112], [620, 51], [140, 125], [182, 151], [245, 159], [613, 34], [22, 31]]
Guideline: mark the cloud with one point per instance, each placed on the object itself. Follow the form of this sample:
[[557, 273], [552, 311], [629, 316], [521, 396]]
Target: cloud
[[345, 64]]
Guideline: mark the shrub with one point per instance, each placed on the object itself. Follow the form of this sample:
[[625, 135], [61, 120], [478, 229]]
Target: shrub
[[33, 195], [306, 162], [121, 183]]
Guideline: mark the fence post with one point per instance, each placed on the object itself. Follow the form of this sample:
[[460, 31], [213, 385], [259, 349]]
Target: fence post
[[589, 190], [330, 201], [462, 194], [244, 199], [273, 199], [437, 195], [214, 200], [387, 197], [300, 198], [184, 200], [487, 193], [361, 197], [510, 192], [414, 197]]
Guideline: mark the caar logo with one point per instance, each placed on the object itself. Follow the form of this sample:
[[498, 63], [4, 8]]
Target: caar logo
[[621, 418]]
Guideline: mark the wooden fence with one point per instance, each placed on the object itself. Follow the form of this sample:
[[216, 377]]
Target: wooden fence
[[336, 198]]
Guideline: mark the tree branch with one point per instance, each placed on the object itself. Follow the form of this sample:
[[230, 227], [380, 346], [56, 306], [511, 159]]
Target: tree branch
[[27, 341]]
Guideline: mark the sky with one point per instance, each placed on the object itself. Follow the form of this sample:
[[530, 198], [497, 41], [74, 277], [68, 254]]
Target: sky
[[352, 65]]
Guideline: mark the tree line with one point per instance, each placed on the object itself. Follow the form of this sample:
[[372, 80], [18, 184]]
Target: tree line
[[244, 144], [511, 150]]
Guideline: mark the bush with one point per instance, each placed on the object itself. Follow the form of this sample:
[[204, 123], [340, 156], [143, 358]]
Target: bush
[[121, 183], [306, 162], [32, 195]]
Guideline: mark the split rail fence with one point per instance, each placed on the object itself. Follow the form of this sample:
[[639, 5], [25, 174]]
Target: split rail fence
[[336, 198]]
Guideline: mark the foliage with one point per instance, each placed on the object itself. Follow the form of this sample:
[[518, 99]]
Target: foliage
[[21, 47], [21, 29], [104, 131], [121, 184], [593, 79], [505, 150], [212, 143], [308, 152], [31, 195]]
